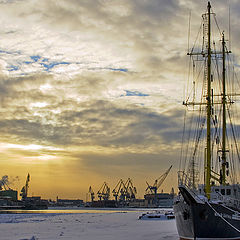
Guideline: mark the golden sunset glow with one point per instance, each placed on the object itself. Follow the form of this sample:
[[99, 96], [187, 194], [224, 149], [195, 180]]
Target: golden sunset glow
[[91, 91]]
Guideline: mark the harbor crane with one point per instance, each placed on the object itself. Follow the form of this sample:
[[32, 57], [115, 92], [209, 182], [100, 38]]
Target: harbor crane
[[4, 183], [152, 189], [131, 191], [24, 191], [104, 192], [124, 191], [120, 189]]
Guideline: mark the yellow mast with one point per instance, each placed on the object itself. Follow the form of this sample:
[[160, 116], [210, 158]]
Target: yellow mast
[[208, 173], [223, 180], [209, 109]]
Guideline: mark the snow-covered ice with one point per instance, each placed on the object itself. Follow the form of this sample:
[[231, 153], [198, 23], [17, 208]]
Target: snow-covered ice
[[92, 225]]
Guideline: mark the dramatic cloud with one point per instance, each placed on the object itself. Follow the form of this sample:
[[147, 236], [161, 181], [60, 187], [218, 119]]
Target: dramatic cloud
[[93, 89]]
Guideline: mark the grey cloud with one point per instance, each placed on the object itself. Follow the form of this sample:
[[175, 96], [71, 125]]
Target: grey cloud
[[9, 1], [97, 122], [19, 91], [84, 110], [146, 20]]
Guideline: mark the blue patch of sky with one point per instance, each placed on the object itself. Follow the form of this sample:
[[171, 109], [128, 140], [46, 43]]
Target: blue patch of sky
[[8, 52], [35, 58], [50, 65], [2, 51], [135, 93], [107, 68], [27, 62], [12, 68], [119, 69], [45, 62]]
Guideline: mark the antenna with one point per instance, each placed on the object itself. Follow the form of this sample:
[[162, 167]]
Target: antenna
[[229, 25], [189, 26]]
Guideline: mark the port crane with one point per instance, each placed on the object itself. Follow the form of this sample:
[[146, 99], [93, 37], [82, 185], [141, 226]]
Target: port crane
[[4, 183], [131, 191], [152, 189], [24, 191], [120, 189], [104, 192]]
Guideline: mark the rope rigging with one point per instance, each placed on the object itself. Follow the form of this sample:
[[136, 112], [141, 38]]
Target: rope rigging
[[193, 146]]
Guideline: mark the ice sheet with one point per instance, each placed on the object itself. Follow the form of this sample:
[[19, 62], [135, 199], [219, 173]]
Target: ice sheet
[[84, 226]]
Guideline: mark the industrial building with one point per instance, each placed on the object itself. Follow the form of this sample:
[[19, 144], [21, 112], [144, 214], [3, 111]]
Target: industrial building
[[11, 194], [69, 202], [163, 200]]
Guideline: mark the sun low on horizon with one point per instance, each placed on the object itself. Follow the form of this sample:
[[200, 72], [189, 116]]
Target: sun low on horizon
[[91, 91]]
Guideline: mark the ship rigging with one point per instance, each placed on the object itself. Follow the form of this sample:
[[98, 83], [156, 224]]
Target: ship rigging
[[208, 205]]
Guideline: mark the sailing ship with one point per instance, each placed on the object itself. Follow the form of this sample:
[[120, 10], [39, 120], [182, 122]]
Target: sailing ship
[[208, 205]]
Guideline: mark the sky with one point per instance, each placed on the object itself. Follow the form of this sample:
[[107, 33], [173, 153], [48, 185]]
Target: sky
[[92, 90]]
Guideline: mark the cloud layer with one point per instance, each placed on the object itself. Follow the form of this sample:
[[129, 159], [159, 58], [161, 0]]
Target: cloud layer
[[92, 89]]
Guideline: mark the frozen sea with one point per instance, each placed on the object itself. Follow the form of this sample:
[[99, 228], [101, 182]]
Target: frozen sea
[[84, 224]]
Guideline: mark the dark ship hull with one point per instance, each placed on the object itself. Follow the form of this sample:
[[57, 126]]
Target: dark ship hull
[[204, 220], [208, 205]]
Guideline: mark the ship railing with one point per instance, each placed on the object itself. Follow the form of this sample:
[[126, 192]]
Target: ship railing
[[217, 196], [185, 180], [227, 200], [231, 202]]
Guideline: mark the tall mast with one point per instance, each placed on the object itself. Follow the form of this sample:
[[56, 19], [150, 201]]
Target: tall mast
[[209, 109], [224, 116]]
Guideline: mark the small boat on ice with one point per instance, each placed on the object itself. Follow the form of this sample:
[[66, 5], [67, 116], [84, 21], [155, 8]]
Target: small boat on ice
[[158, 215]]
